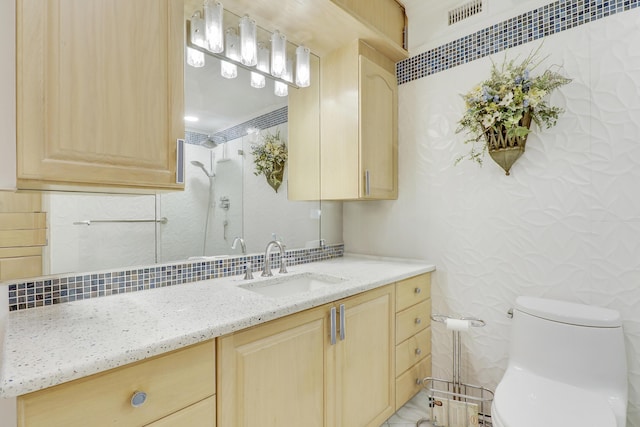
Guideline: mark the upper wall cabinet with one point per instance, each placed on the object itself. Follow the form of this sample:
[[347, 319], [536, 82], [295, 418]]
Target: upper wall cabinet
[[99, 93], [359, 124]]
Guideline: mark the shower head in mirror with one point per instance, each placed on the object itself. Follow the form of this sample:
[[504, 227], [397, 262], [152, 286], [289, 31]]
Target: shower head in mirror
[[201, 166]]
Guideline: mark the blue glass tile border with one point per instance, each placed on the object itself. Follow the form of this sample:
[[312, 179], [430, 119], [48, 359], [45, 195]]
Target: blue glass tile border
[[59, 289], [544, 21], [265, 121]]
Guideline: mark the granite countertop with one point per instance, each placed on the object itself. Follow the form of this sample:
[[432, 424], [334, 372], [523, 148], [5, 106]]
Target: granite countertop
[[47, 346]]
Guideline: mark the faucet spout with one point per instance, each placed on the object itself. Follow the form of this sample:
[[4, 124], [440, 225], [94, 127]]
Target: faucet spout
[[266, 271], [242, 245]]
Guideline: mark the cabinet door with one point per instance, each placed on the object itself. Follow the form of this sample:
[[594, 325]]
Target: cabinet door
[[273, 374], [378, 131], [364, 378], [99, 92]]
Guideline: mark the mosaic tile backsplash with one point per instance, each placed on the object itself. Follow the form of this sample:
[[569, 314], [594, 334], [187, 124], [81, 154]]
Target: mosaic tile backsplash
[[74, 287], [533, 25]]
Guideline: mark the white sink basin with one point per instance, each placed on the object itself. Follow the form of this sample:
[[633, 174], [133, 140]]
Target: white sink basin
[[283, 286]]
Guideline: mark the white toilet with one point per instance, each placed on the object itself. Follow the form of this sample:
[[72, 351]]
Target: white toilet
[[567, 367]]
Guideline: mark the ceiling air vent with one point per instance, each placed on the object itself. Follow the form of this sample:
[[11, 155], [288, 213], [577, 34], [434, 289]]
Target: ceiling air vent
[[465, 11]]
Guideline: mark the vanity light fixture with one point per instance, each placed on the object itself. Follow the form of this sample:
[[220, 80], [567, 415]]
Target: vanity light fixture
[[228, 69], [248, 42], [213, 18], [195, 58], [242, 48]]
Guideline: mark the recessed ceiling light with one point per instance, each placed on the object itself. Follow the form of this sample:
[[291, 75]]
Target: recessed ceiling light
[[190, 119]]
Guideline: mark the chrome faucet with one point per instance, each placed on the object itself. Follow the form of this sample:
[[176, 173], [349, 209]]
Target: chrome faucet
[[266, 271], [242, 245]]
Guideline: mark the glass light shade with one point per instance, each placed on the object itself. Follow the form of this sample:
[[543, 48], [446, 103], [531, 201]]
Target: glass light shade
[[214, 25], [278, 54], [288, 72], [248, 44], [227, 69], [281, 89], [196, 58], [263, 58], [258, 80], [303, 71]]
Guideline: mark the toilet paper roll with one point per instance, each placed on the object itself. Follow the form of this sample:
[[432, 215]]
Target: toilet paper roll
[[457, 324]]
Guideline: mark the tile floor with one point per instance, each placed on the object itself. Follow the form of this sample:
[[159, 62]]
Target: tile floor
[[414, 410]]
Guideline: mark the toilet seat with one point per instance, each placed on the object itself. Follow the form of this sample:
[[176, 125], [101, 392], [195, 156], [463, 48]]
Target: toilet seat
[[523, 399]]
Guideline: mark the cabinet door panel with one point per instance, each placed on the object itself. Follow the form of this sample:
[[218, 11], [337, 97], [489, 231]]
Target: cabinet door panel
[[378, 139], [99, 87], [365, 360], [273, 374]]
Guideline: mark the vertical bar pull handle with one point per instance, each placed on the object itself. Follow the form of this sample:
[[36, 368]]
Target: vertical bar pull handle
[[367, 181], [343, 332], [333, 325], [180, 161]]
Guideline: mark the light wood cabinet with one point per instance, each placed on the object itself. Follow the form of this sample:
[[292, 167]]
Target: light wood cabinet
[[99, 93], [386, 16], [359, 129], [288, 372], [172, 383], [413, 336]]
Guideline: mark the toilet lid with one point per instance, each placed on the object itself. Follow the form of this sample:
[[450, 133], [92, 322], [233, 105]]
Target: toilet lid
[[523, 399]]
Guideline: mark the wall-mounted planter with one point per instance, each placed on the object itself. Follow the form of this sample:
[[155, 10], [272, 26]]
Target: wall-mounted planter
[[505, 149]]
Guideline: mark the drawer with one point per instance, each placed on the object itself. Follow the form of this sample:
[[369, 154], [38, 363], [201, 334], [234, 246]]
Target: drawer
[[171, 382], [201, 414], [413, 350], [410, 383], [412, 320], [412, 291]]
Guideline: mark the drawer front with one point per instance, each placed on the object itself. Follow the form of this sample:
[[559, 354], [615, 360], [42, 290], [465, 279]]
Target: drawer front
[[413, 350], [412, 320], [412, 291], [201, 414], [171, 382], [410, 383]]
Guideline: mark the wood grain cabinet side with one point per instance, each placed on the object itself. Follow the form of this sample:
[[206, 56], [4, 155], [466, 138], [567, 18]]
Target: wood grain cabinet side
[[99, 93]]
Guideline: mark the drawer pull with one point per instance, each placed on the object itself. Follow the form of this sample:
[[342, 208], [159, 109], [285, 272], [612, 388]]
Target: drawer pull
[[418, 351], [418, 320], [418, 290], [138, 399]]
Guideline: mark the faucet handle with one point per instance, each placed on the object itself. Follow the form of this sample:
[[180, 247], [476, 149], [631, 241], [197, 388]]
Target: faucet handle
[[283, 265], [248, 271]]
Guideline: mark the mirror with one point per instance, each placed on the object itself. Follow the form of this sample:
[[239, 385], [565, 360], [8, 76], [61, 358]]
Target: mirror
[[223, 198]]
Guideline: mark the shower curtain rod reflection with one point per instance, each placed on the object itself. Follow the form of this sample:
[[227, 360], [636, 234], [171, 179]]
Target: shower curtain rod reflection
[[88, 222]]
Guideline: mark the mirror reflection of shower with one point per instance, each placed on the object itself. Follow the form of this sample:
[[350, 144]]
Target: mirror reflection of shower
[[211, 203]]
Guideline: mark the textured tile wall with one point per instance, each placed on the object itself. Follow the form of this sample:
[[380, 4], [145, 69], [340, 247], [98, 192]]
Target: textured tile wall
[[565, 224]]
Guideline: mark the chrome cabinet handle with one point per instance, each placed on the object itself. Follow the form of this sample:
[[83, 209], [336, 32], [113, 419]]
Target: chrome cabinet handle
[[343, 332], [418, 351], [418, 290], [366, 183], [138, 399], [333, 325], [418, 320]]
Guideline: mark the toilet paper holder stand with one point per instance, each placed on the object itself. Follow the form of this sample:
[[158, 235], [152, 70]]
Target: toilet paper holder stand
[[449, 397]]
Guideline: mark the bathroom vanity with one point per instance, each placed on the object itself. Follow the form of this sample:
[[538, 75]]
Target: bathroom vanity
[[223, 349]]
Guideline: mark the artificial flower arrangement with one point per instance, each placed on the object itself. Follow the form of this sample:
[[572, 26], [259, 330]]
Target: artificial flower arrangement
[[269, 158], [501, 109]]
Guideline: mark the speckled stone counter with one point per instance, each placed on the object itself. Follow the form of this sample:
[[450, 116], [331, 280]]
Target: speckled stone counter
[[47, 346]]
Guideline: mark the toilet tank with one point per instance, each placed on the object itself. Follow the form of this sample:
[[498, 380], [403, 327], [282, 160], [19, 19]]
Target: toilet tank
[[572, 343]]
